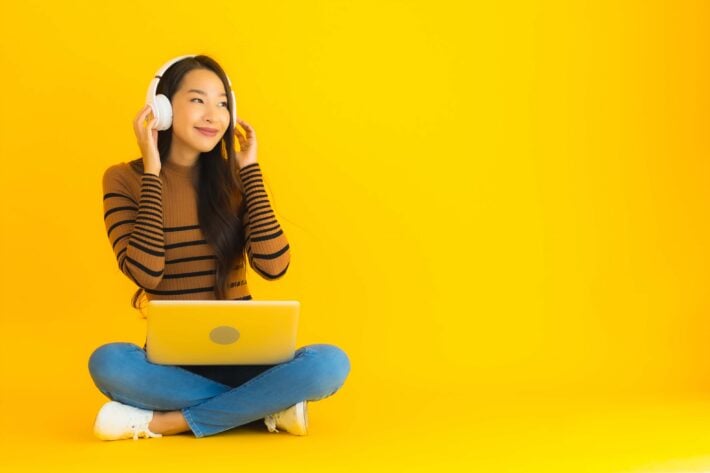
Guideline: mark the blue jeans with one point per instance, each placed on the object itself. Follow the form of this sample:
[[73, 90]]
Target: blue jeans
[[123, 373]]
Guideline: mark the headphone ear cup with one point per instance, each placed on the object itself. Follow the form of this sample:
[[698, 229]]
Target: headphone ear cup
[[163, 111]]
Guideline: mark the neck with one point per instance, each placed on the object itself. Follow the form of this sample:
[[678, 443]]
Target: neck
[[182, 155], [183, 161]]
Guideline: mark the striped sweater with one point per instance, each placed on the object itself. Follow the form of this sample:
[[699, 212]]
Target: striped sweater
[[152, 225]]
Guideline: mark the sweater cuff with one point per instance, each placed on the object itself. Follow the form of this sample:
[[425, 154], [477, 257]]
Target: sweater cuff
[[249, 167]]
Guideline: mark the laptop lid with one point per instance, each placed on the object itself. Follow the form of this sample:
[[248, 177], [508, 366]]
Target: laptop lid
[[218, 332]]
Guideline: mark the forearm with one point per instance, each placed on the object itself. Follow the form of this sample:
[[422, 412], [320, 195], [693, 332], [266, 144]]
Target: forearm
[[266, 243]]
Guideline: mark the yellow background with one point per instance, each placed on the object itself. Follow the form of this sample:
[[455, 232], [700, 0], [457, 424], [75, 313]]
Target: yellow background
[[498, 211]]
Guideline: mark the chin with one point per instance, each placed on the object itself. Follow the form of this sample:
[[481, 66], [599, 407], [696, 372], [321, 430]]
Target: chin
[[204, 149], [202, 145], [206, 145]]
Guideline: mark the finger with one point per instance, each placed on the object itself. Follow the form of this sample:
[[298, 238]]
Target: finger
[[146, 121], [143, 111], [139, 124], [140, 112], [249, 130]]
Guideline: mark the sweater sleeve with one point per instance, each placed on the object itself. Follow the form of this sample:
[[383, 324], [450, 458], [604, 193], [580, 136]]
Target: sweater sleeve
[[135, 229], [266, 244]]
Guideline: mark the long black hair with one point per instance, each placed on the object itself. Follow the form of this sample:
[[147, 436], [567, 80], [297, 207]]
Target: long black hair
[[220, 193]]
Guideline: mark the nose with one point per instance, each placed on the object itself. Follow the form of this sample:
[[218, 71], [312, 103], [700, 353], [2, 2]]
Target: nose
[[211, 113]]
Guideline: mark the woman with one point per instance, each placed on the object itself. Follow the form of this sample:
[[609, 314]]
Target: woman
[[182, 220]]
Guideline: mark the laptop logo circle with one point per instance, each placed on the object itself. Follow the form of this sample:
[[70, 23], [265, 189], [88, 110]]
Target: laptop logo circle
[[224, 335]]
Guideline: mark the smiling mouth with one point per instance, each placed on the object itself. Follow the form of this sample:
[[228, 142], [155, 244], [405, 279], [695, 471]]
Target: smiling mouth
[[207, 132]]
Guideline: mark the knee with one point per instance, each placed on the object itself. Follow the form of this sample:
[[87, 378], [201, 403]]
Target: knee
[[331, 365], [106, 361]]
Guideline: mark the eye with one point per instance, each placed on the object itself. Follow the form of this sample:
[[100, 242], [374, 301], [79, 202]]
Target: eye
[[197, 98]]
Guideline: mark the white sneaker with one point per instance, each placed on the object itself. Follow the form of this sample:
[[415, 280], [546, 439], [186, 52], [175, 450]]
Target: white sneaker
[[293, 420], [117, 421]]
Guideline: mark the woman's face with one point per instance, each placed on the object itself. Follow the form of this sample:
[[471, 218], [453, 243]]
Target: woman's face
[[199, 102]]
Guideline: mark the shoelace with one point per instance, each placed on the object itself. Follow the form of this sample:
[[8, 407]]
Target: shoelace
[[270, 422], [139, 425]]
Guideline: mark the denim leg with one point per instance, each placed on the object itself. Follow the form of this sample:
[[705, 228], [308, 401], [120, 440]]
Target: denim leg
[[123, 373], [316, 372]]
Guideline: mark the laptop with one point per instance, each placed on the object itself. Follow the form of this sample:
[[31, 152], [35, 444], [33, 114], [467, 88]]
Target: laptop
[[218, 332]]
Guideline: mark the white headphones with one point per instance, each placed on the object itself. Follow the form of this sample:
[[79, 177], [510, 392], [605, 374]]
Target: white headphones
[[160, 104]]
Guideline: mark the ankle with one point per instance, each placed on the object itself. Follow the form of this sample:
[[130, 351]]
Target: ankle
[[155, 425], [168, 423]]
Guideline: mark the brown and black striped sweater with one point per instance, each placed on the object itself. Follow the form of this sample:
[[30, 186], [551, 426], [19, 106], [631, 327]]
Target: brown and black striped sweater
[[152, 225]]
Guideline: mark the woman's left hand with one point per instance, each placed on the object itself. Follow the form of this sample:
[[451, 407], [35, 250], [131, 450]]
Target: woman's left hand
[[247, 144]]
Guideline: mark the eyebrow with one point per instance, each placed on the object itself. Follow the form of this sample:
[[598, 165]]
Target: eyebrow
[[202, 92]]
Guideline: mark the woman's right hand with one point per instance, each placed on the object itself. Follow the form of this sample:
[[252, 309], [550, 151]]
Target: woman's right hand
[[147, 138]]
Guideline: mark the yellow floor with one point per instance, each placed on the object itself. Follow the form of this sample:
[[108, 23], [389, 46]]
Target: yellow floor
[[355, 430]]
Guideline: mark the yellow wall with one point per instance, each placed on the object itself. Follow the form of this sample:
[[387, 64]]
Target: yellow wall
[[498, 199]]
